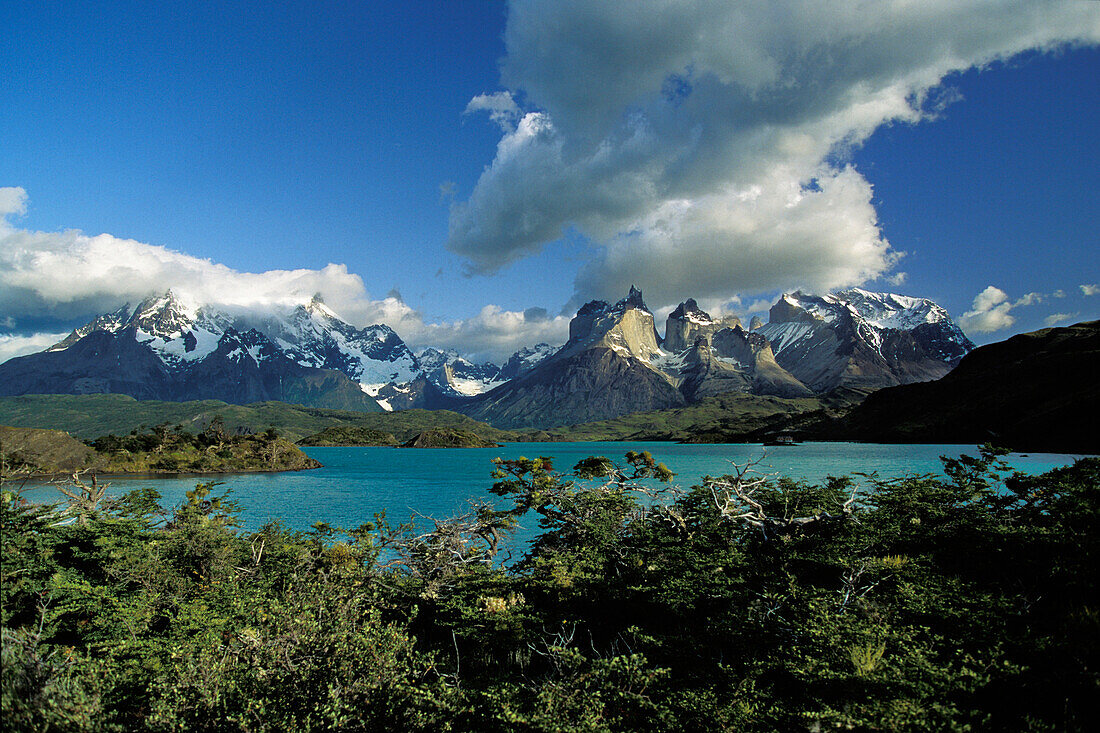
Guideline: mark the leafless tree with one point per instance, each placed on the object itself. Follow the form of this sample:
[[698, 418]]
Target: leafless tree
[[737, 498]]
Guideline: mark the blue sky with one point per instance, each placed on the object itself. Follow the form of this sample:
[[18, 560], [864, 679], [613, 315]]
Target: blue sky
[[464, 163]]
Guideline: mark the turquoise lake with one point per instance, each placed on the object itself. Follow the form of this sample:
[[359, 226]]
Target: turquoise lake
[[355, 483]]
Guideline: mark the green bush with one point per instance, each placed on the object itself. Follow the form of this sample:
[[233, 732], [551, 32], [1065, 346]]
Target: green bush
[[744, 603]]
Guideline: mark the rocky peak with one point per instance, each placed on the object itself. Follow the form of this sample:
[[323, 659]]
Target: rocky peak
[[525, 360], [581, 325], [632, 300], [162, 316], [627, 328], [792, 308], [689, 322], [690, 310], [110, 322]]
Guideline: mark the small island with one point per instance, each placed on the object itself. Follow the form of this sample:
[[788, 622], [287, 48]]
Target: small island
[[157, 450], [348, 436], [448, 438]]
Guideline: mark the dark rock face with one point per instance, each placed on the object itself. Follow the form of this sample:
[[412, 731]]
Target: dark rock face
[[101, 362], [592, 384], [1036, 391]]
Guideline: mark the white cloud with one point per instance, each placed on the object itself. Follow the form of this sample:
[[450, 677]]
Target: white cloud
[[1055, 318], [988, 313], [493, 334], [1088, 290], [13, 201], [990, 310], [699, 139], [71, 275], [12, 346], [502, 109]]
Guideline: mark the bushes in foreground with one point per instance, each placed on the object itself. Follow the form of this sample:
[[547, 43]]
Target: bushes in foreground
[[745, 603]]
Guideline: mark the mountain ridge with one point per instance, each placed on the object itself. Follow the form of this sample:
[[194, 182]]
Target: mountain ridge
[[615, 361]]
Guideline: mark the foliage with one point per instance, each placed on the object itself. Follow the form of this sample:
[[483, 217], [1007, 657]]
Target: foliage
[[344, 435], [172, 449], [749, 602]]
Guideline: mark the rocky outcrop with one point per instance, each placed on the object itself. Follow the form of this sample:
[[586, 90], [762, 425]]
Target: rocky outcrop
[[732, 361], [753, 352], [689, 322]]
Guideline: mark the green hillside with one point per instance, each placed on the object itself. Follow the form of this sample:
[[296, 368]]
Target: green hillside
[[90, 416], [728, 417]]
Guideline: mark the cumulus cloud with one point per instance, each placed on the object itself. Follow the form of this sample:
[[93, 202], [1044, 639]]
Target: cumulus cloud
[[493, 334], [13, 202], [989, 312], [1088, 290], [71, 275], [700, 140], [991, 308]]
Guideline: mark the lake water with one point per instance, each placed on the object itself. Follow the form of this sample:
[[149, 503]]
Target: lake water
[[355, 483]]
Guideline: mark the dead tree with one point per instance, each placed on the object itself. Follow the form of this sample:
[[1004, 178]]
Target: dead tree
[[83, 499], [737, 499]]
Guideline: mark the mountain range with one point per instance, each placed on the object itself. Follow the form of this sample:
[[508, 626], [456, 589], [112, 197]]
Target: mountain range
[[615, 362]]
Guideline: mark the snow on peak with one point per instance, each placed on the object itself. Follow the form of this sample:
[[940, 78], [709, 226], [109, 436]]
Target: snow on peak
[[889, 310]]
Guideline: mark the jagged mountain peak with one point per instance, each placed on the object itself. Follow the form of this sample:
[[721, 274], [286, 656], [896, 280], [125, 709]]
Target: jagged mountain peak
[[689, 322], [633, 299], [690, 310], [163, 316], [626, 328], [526, 359]]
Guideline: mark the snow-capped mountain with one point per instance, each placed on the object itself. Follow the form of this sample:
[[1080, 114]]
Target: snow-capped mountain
[[614, 362], [855, 338], [168, 349], [526, 359], [457, 376], [313, 335]]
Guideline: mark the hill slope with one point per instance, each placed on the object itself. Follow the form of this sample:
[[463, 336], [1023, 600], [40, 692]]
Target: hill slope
[[1035, 391], [90, 416]]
